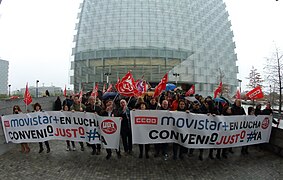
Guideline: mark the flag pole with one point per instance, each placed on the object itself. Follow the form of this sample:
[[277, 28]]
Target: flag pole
[[114, 105], [158, 101], [95, 93], [129, 100]]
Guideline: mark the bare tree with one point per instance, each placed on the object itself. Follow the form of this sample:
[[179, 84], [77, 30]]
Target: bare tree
[[273, 71], [225, 90], [254, 79]]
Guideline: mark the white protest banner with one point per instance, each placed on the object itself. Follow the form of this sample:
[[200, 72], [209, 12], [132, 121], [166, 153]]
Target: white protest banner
[[56, 125], [199, 130]]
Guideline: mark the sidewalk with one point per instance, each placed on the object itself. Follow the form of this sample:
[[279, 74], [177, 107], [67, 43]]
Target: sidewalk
[[60, 164]]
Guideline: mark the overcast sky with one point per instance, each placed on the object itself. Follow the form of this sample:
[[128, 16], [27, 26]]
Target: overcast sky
[[36, 37]]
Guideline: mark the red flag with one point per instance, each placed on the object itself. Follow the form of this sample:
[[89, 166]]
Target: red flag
[[161, 86], [95, 90], [104, 88], [65, 91], [218, 90], [27, 96], [256, 93], [238, 94], [191, 91], [126, 86], [141, 86], [145, 86], [109, 88], [81, 95]]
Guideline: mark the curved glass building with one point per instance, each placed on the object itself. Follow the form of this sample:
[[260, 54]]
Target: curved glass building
[[189, 38]]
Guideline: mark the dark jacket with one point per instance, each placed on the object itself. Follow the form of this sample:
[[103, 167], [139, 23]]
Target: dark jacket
[[92, 108], [126, 119], [267, 112], [152, 107], [58, 105], [258, 111], [237, 110]]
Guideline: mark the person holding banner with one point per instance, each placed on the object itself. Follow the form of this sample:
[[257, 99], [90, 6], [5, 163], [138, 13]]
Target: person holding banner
[[226, 111], [162, 146], [258, 110], [152, 104], [198, 110], [237, 109], [142, 106], [66, 108], [126, 132], [269, 111], [37, 108], [25, 147], [251, 111], [78, 106], [109, 111], [212, 110], [92, 107], [181, 107]]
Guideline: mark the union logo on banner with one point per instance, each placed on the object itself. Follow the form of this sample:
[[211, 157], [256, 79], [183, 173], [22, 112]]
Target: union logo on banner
[[108, 126], [7, 124]]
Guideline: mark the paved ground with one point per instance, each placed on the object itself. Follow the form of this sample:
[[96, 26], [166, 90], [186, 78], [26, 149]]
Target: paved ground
[[60, 164]]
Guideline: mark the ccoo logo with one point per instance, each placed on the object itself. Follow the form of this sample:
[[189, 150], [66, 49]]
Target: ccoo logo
[[108, 126], [7, 124]]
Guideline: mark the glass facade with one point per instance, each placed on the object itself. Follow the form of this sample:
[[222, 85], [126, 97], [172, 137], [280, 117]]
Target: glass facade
[[4, 69], [151, 37]]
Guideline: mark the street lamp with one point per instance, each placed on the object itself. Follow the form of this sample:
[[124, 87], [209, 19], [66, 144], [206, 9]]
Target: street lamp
[[9, 89], [36, 92], [176, 75], [107, 77], [240, 81]]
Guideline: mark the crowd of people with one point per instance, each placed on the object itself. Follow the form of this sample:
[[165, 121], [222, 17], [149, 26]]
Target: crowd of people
[[121, 107]]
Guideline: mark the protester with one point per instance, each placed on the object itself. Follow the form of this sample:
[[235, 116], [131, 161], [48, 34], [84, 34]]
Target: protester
[[237, 109], [58, 104], [109, 111], [25, 147], [126, 133], [162, 146], [226, 111], [212, 110], [251, 111], [92, 107], [66, 108], [258, 110], [196, 109], [68, 101], [37, 108], [269, 111], [182, 150], [78, 106], [142, 106], [152, 104], [47, 93]]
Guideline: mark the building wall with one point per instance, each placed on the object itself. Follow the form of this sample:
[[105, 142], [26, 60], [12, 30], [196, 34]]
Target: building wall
[[4, 69], [198, 28]]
